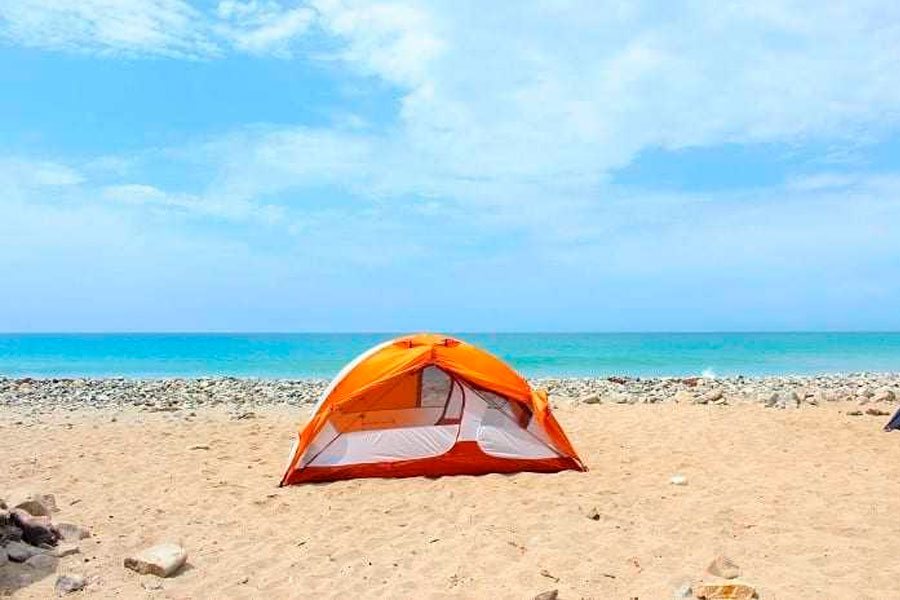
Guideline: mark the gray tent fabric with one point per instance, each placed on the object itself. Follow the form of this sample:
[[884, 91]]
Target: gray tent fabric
[[894, 423]]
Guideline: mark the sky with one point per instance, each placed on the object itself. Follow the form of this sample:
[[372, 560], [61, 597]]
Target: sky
[[263, 165]]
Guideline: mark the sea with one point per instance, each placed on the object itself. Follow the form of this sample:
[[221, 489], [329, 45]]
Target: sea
[[321, 355]]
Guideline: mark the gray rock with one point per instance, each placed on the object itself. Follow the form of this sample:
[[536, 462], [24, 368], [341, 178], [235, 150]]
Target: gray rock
[[4, 557], [71, 532], [20, 551], [162, 560], [66, 584], [42, 562], [63, 550]]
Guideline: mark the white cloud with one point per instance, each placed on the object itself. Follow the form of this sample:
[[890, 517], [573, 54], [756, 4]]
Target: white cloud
[[261, 27], [108, 27]]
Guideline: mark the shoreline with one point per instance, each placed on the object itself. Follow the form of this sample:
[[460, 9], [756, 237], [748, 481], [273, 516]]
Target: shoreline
[[175, 394]]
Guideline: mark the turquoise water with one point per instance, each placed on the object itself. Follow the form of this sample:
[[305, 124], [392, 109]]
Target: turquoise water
[[534, 354]]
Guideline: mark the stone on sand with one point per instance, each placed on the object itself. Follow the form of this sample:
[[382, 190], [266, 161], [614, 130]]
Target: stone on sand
[[20, 551], [683, 396], [678, 479], [593, 398], [724, 567], [162, 560], [724, 591], [548, 595], [42, 562], [884, 395], [877, 412], [34, 503], [66, 584], [71, 532], [594, 514], [711, 396]]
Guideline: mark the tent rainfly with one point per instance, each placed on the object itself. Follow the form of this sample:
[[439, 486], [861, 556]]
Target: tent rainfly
[[428, 405]]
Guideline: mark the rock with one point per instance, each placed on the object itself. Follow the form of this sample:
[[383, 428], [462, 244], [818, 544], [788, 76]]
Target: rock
[[678, 479], [35, 530], [593, 398], [854, 413], [683, 591], [710, 396], [66, 584], [4, 557], [594, 514], [722, 566], [683, 396], [71, 532], [34, 503], [63, 550], [884, 395], [162, 560], [724, 591], [199, 447], [549, 595], [42, 562], [20, 551], [877, 412]]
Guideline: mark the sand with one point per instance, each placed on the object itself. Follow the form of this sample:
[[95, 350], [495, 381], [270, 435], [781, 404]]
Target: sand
[[805, 501]]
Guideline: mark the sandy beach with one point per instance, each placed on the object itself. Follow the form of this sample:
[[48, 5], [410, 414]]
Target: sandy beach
[[802, 500]]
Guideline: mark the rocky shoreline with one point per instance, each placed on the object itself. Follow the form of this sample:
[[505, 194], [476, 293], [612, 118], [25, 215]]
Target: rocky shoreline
[[173, 394]]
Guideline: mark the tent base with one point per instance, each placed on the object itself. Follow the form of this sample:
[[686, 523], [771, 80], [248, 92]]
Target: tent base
[[465, 458]]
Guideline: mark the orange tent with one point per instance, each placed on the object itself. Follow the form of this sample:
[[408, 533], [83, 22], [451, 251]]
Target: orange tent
[[428, 405]]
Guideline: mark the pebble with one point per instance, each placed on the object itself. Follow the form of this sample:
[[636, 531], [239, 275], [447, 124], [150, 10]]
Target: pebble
[[548, 595], [724, 567], [678, 480], [34, 503], [66, 584], [42, 562], [71, 532], [242, 396], [877, 412], [162, 560]]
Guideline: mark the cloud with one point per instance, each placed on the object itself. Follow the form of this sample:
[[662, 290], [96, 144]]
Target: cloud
[[260, 27], [108, 27]]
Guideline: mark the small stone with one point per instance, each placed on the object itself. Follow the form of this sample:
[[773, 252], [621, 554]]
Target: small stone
[[63, 550], [884, 395], [548, 595], [724, 591], [71, 532], [593, 398], [877, 412], [683, 591], [199, 447], [678, 479], [594, 514], [42, 562], [854, 413], [710, 396], [66, 584], [34, 503], [20, 551], [683, 396], [722, 566], [162, 560]]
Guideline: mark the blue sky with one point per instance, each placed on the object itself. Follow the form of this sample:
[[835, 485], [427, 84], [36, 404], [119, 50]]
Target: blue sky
[[401, 165]]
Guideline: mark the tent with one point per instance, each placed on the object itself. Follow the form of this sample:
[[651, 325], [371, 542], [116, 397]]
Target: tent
[[428, 405], [894, 423]]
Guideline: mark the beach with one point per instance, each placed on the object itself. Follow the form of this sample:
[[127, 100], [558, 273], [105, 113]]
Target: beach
[[795, 483]]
